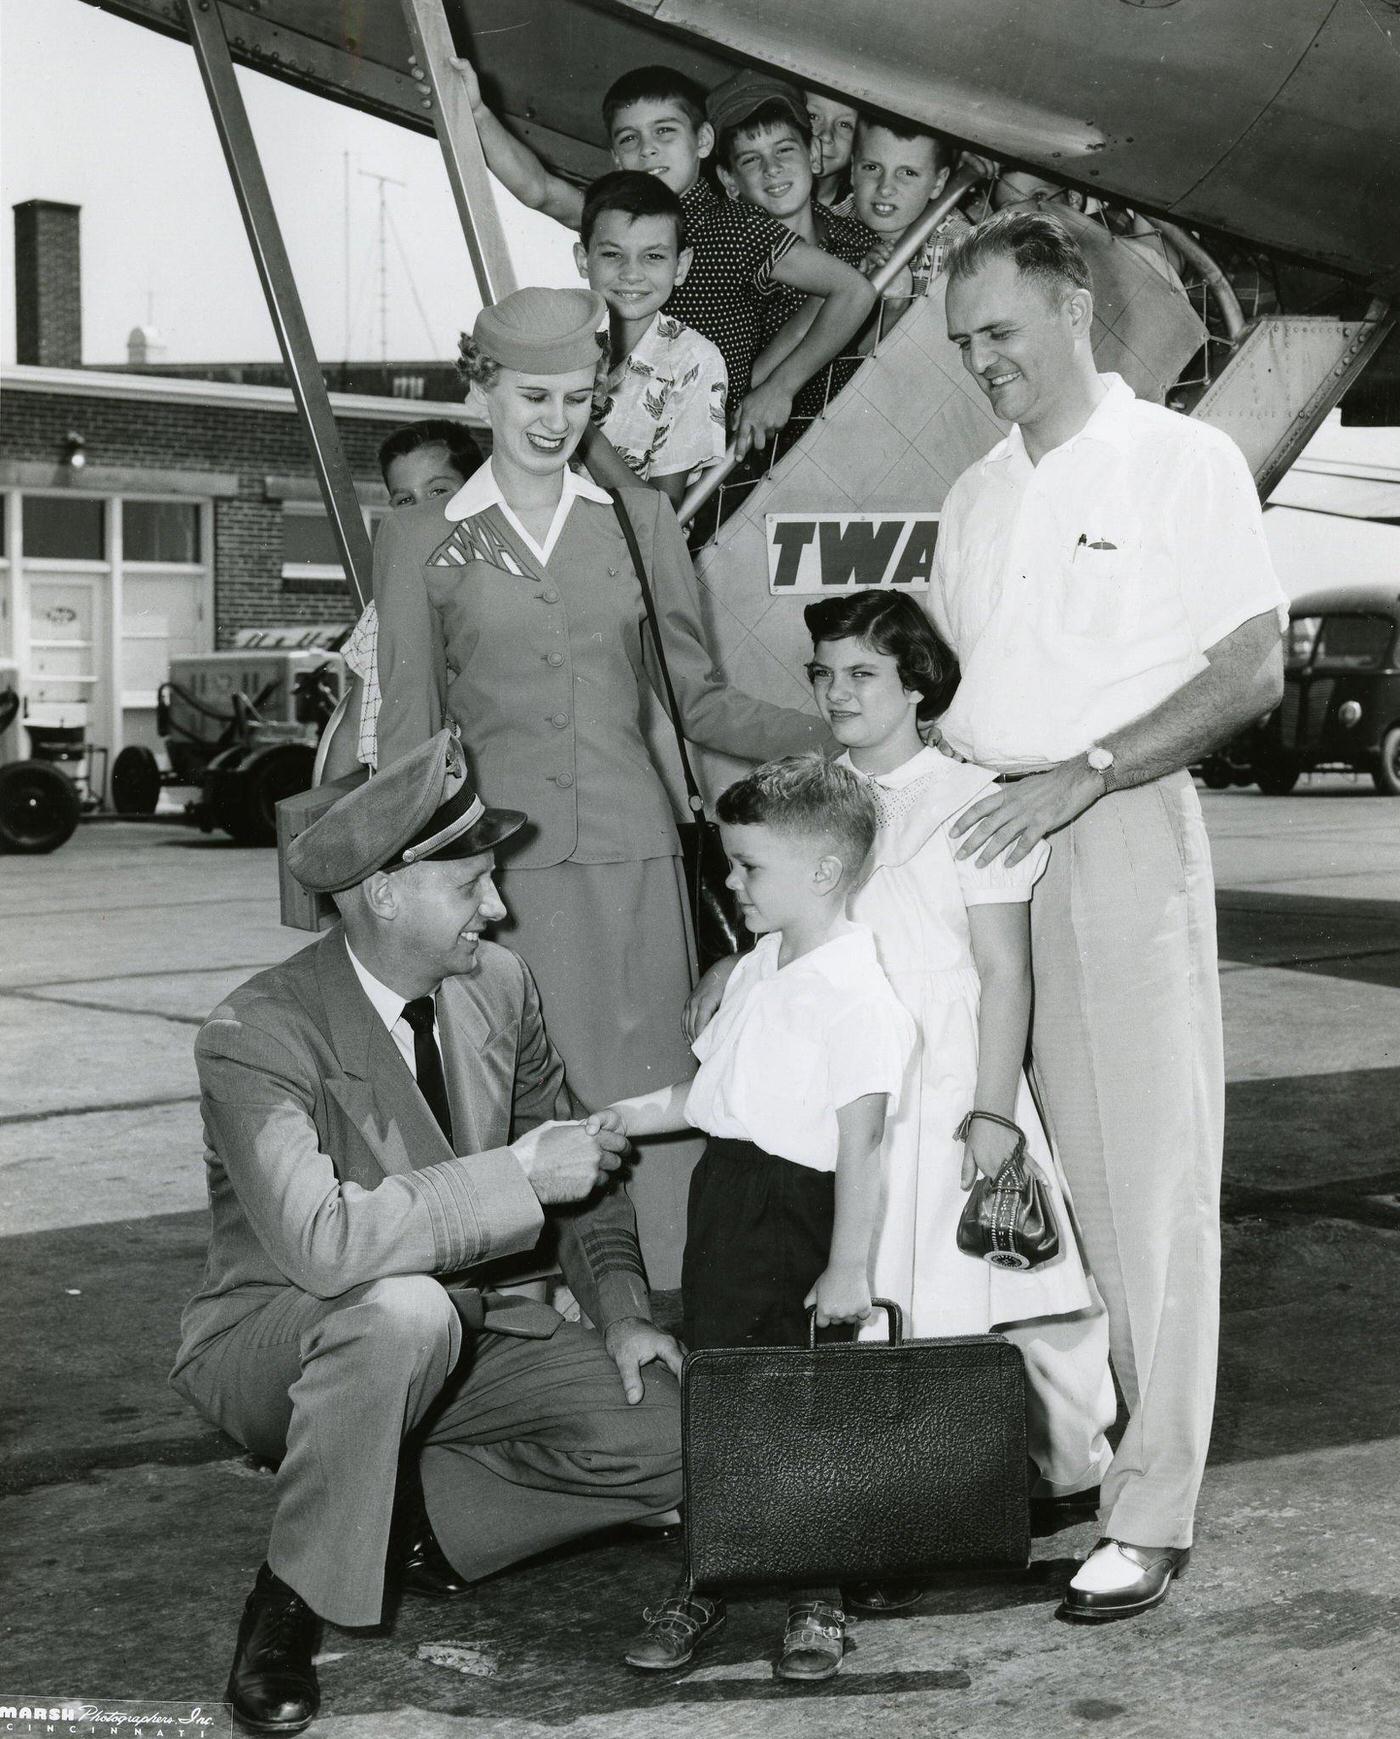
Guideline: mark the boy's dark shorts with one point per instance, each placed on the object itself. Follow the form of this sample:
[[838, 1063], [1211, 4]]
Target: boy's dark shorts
[[758, 1237]]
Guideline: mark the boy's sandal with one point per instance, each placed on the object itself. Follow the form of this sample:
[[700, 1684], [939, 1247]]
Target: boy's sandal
[[673, 1632], [878, 1597], [814, 1641]]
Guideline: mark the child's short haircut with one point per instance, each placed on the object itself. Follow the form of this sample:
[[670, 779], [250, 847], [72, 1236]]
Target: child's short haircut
[[809, 795], [1041, 248], [654, 84], [945, 153], [892, 623], [636, 195], [462, 450], [774, 113]]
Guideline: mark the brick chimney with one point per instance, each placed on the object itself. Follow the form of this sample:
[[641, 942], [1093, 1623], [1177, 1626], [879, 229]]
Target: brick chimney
[[48, 284]]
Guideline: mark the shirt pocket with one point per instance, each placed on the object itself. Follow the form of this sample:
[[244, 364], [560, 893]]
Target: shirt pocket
[[1099, 582]]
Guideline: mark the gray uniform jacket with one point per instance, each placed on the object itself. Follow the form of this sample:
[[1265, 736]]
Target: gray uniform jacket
[[328, 1169], [546, 668]]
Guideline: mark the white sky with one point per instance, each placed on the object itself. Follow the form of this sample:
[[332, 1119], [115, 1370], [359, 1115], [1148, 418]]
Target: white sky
[[112, 117]]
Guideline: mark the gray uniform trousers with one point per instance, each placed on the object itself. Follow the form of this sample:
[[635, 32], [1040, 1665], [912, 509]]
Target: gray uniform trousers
[[1129, 1067], [528, 1443]]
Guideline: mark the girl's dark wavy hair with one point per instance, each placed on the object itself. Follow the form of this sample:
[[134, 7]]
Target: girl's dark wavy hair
[[892, 623]]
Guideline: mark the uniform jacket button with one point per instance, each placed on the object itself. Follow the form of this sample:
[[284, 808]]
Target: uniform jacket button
[[549, 595], [559, 720], [565, 779], [556, 658]]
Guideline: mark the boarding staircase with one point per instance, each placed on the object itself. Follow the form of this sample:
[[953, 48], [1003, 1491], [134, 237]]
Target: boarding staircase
[[911, 420]]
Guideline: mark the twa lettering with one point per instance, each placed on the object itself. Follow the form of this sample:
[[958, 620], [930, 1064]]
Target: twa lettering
[[825, 552]]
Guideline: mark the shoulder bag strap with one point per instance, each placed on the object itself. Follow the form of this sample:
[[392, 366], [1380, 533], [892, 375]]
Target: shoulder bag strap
[[692, 790]]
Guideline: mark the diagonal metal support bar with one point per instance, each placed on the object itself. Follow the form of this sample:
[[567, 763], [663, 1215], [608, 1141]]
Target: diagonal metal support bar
[[283, 303], [442, 93], [1284, 378]]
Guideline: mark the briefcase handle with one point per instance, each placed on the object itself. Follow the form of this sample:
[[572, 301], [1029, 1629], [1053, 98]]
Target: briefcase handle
[[893, 1314]]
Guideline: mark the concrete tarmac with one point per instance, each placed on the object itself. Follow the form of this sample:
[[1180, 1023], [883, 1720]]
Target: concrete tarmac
[[130, 1530]]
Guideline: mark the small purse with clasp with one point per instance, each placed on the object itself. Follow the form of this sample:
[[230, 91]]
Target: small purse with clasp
[[1009, 1219]]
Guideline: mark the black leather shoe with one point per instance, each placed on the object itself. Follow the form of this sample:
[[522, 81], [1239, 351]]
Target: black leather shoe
[[1156, 1564], [1069, 1504], [273, 1685], [425, 1570], [664, 1533]]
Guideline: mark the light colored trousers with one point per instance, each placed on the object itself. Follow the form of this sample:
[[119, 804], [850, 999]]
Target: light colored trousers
[[527, 1443], [1129, 1067]]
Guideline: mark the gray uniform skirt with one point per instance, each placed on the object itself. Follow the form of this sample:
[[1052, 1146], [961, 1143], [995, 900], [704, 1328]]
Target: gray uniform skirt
[[610, 948]]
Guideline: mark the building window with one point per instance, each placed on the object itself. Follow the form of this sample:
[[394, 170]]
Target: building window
[[160, 531], [65, 527], [309, 549]]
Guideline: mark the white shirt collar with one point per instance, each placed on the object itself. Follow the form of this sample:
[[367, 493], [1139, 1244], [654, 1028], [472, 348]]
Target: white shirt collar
[[481, 490], [1105, 424], [918, 766], [388, 1004]]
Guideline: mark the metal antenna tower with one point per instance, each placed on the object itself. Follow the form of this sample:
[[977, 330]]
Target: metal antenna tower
[[383, 181]]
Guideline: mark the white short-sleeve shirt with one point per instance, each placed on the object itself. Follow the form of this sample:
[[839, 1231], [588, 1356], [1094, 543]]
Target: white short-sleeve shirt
[[1080, 592], [790, 1045]]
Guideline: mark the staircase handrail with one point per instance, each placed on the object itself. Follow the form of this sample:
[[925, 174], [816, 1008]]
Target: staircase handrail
[[935, 213]]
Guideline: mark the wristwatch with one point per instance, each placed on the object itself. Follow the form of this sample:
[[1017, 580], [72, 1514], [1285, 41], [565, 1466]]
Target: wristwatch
[[1101, 760]]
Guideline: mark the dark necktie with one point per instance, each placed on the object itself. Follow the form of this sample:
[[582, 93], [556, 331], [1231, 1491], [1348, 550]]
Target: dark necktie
[[427, 1062]]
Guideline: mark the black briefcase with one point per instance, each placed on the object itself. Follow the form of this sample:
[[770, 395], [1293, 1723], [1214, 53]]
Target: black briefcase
[[863, 1462]]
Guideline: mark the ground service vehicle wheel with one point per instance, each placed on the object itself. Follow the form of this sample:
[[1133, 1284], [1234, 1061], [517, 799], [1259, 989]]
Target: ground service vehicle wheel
[[1277, 781], [1215, 774], [135, 781], [250, 812], [39, 807], [1386, 773]]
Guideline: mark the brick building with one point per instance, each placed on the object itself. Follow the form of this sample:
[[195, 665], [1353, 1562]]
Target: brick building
[[149, 515]]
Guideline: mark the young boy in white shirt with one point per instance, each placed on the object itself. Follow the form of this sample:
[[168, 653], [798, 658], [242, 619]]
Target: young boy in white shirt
[[798, 1069]]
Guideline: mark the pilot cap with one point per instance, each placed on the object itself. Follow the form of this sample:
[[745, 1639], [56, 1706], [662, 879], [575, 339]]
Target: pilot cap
[[542, 331], [423, 806], [731, 104]]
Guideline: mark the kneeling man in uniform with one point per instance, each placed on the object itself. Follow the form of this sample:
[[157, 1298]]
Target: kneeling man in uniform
[[379, 1117]]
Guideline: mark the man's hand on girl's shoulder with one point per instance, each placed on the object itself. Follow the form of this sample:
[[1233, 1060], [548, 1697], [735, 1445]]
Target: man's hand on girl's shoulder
[[1021, 814]]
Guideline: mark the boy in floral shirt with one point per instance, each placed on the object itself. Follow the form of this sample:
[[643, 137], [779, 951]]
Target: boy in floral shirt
[[663, 406]]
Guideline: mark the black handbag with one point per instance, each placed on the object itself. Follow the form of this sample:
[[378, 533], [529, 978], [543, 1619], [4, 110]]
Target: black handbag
[[715, 918], [1008, 1220], [862, 1462]]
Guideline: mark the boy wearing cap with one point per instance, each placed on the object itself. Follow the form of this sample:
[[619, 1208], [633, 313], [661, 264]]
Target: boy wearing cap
[[659, 123], [765, 154], [380, 1117]]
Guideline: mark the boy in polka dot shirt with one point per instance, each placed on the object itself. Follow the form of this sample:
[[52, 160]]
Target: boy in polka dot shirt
[[656, 123]]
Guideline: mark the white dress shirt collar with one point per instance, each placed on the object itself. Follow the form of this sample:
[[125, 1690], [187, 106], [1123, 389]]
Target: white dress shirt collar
[[1106, 423], [388, 1004], [481, 490]]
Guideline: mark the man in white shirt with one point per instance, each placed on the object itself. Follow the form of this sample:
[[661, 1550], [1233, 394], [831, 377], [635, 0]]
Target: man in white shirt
[[380, 1117], [1103, 578]]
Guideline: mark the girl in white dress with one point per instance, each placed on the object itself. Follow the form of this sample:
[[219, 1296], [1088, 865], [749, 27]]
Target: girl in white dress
[[954, 939]]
